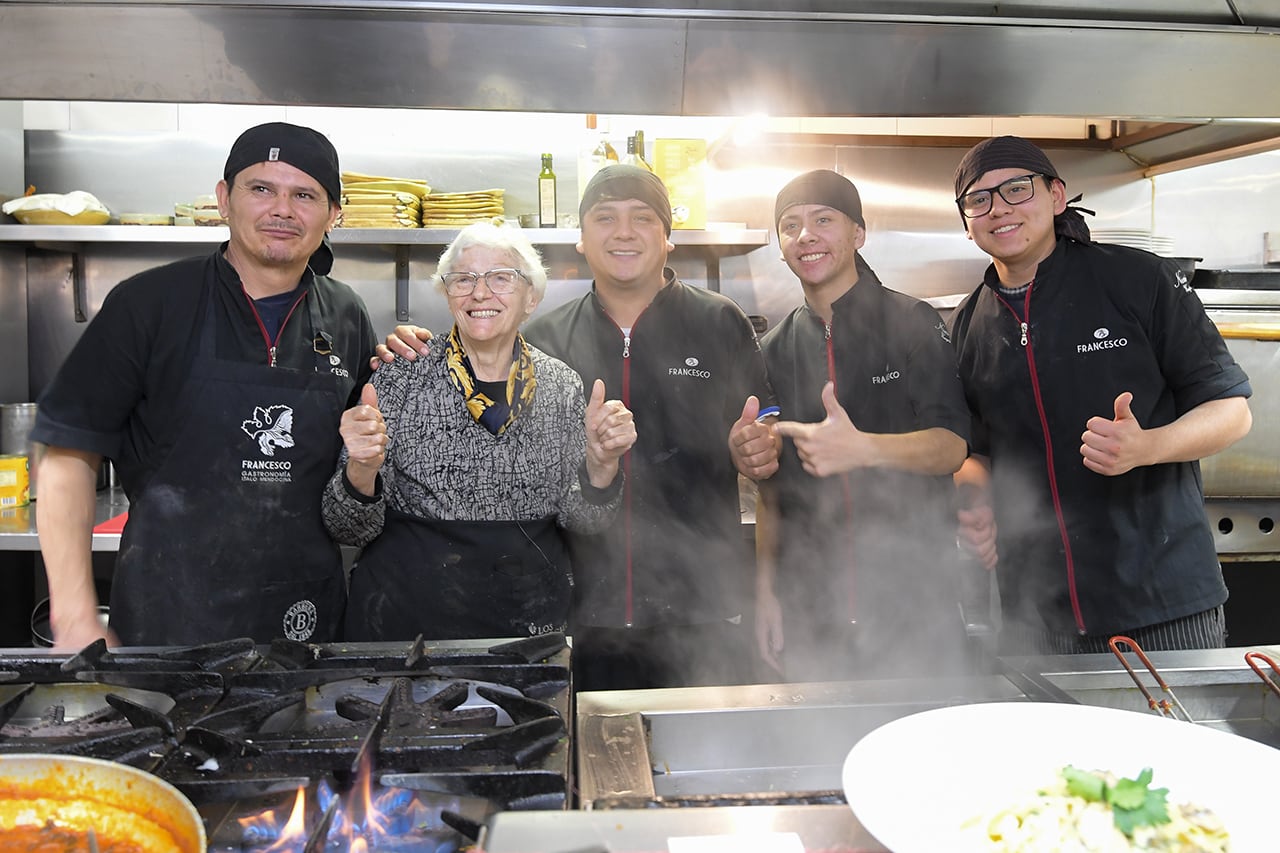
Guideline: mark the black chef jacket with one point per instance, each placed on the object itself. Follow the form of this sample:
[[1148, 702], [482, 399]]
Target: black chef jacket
[[874, 546], [1101, 320], [677, 554]]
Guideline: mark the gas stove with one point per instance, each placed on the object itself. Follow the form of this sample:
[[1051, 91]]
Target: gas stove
[[308, 747]]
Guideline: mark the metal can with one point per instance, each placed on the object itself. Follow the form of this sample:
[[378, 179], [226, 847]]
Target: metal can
[[15, 481]]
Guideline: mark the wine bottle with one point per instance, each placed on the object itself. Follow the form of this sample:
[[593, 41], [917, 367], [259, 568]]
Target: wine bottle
[[595, 154], [635, 151], [640, 160], [546, 194]]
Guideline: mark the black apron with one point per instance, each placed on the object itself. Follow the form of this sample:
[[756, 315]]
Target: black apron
[[452, 580], [226, 537]]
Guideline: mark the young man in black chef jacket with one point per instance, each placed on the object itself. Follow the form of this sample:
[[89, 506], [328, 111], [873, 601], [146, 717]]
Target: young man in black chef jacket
[[215, 384], [857, 572], [660, 597], [1096, 380]]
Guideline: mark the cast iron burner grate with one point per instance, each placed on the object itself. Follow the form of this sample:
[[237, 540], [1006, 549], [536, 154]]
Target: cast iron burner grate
[[471, 727]]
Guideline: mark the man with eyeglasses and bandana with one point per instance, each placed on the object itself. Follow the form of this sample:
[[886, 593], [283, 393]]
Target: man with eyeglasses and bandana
[[1096, 381]]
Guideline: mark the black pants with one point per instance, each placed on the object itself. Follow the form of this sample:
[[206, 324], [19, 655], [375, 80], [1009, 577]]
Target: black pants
[[666, 656]]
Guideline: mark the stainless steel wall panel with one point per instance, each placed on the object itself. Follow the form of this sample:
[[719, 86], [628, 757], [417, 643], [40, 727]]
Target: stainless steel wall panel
[[13, 291], [11, 151], [939, 69], [667, 61], [277, 54], [14, 386]]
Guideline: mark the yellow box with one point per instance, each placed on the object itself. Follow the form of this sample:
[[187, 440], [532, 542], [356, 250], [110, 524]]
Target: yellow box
[[15, 481], [682, 164]]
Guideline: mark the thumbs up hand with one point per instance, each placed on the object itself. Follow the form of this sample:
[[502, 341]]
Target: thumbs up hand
[[364, 434], [753, 442], [1114, 446], [611, 430], [833, 445]]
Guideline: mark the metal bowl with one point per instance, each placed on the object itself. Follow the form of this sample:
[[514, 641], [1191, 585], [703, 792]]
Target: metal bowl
[[120, 803]]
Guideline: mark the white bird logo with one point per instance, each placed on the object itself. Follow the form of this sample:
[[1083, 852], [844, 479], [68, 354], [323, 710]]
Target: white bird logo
[[271, 428]]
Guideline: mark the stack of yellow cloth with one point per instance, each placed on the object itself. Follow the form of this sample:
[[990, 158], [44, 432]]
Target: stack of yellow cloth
[[370, 201], [456, 210]]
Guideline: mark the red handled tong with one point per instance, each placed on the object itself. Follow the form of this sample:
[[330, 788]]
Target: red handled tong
[[1252, 659], [1165, 707]]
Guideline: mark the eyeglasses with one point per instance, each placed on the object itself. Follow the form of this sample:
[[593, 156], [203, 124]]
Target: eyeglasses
[[1014, 191], [500, 281]]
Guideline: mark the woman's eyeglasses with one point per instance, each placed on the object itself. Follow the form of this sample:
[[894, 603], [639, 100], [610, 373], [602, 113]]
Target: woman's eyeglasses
[[499, 281]]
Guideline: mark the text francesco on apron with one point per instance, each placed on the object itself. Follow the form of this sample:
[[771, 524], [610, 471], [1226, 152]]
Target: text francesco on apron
[[226, 538]]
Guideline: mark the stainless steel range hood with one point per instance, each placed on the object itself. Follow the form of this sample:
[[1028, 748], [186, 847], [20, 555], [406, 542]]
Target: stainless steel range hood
[[1189, 77]]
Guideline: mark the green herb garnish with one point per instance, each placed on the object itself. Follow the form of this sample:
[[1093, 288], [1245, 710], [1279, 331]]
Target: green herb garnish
[[1133, 802]]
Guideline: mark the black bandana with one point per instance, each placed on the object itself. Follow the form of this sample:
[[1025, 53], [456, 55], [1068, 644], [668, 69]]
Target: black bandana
[[622, 181], [1014, 152], [821, 186]]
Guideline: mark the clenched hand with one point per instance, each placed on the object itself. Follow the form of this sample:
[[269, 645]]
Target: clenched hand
[[364, 433], [833, 445], [611, 430], [1115, 446], [754, 444]]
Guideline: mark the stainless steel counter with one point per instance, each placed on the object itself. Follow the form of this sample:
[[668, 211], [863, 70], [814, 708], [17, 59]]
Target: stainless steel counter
[[655, 764], [18, 525], [690, 743], [1216, 686], [743, 829]]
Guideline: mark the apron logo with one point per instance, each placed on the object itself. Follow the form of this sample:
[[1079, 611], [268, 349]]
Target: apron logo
[[271, 427], [300, 620]]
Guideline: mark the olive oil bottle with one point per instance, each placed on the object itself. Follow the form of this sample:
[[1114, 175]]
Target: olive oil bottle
[[546, 194]]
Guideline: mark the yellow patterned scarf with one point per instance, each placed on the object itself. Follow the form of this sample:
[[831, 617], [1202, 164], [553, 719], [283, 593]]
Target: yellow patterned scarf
[[493, 415]]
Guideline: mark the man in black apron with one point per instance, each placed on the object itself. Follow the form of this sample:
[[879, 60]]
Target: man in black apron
[[216, 385]]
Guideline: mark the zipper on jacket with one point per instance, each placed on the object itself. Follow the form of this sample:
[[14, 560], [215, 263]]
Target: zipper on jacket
[[629, 595], [272, 346], [1024, 324], [847, 487]]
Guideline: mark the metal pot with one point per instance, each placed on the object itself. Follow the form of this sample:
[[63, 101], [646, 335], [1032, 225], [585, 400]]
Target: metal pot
[[1187, 265], [122, 804], [16, 421]]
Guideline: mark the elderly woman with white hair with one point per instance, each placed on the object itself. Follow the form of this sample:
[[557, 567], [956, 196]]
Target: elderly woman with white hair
[[459, 468]]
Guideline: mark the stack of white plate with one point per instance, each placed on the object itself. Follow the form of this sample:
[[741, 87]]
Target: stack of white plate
[[1134, 238]]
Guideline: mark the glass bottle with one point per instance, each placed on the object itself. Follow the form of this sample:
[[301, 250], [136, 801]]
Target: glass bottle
[[596, 153], [546, 194], [640, 159]]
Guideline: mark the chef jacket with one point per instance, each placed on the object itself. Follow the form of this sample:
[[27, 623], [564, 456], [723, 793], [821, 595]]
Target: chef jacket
[[874, 546], [1080, 551], [678, 553]]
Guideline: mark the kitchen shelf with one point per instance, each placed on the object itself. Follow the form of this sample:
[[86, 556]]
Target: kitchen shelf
[[18, 525], [711, 244], [742, 239]]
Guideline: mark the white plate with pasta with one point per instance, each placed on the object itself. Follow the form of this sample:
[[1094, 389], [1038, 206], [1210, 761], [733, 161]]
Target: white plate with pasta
[[933, 781]]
